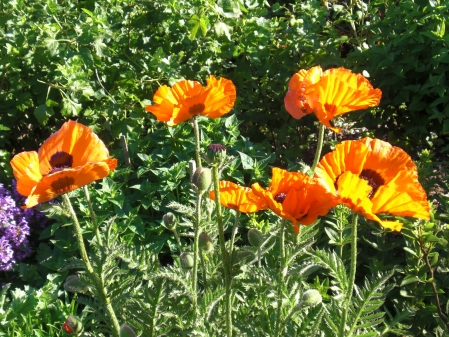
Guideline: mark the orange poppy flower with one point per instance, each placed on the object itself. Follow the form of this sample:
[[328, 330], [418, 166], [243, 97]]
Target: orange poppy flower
[[295, 196], [70, 158], [238, 198], [371, 176], [329, 94], [187, 99]]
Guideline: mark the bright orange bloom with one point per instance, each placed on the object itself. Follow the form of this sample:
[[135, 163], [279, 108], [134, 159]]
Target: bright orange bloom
[[238, 198], [187, 99], [70, 158], [295, 196], [329, 94], [371, 176]]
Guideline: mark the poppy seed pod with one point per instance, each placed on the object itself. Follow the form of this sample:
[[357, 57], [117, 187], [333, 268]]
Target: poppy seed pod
[[127, 331], [169, 220], [255, 237], [244, 256], [73, 325], [202, 179], [205, 242], [186, 259], [312, 297], [216, 154]]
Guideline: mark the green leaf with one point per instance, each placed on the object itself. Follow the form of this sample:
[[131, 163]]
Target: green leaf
[[203, 26], [222, 28], [193, 24], [43, 113], [247, 161]]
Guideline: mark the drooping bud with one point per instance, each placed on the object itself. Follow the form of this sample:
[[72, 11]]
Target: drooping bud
[[73, 325], [216, 154], [75, 285], [186, 259], [205, 242], [255, 237], [169, 220], [202, 179], [127, 331], [243, 256], [312, 297]]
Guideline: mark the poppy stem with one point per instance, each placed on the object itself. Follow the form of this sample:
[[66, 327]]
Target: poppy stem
[[234, 233], [319, 147], [351, 278], [195, 253], [280, 278], [196, 130], [93, 215], [224, 254], [97, 280]]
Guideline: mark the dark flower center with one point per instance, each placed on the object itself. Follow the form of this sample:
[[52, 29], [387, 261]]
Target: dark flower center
[[216, 147], [280, 197], [374, 179], [196, 109], [61, 160], [62, 185]]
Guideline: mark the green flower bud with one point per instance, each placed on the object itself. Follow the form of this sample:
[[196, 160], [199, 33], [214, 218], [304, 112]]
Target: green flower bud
[[243, 256], [312, 297], [169, 220], [186, 259], [255, 237], [205, 242], [202, 179], [73, 325], [127, 331], [216, 154], [75, 285]]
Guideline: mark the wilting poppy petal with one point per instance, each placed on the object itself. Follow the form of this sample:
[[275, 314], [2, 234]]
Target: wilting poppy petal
[[371, 176], [238, 198], [187, 99], [70, 158]]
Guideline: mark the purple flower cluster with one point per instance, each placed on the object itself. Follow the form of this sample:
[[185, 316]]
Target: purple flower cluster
[[14, 228]]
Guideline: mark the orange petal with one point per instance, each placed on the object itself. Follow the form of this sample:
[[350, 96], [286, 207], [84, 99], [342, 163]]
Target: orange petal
[[238, 198], [72, 145], [220, 97], [65, 181], [25, 167], [164, 104]]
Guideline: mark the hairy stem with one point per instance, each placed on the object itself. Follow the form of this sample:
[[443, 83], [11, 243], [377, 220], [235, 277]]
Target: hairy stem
[[319, 147], [93, 216], [351, 278], [280, 278], [98, 280], [195, 252], [224, 253], [196, 130]]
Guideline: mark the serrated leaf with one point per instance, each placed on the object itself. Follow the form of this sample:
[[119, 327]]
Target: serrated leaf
[[203, 26], [193, 24], [222, 28], [247, 161]]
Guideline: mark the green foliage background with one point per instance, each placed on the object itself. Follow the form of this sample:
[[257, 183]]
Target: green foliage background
[[100, 62]]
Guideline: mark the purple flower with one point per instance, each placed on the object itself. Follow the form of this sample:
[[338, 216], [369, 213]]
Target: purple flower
[[14, 227]]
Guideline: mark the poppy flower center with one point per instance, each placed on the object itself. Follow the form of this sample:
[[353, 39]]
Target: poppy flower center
[[60, 160], [280, 197], [374, 179], [196, 109], [62, 185]]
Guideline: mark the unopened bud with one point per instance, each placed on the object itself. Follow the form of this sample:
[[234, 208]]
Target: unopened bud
[[255, 237], [75, 285], [205, 242], [244, 256], [312, 297], [73, 325], [186, 259], [202, 179], [127, 331], [169, 220], [216, 154]]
